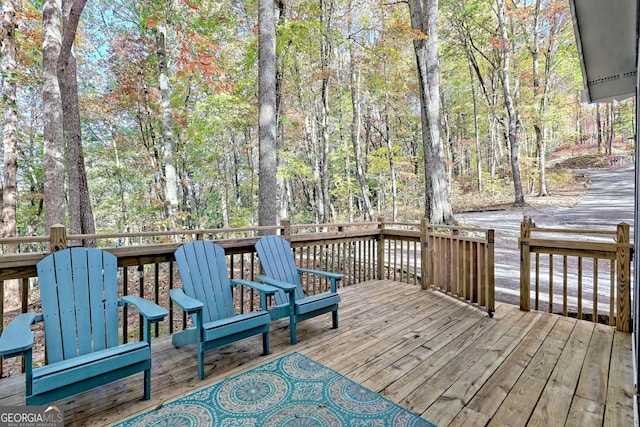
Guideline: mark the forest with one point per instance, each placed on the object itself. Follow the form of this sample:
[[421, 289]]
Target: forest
[[164, 132]]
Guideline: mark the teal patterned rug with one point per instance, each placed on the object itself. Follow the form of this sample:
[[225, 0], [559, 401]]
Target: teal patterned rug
[[293, 390]]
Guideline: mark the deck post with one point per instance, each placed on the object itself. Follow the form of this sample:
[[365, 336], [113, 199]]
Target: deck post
[[285, 223], [491, 272], [525, 264], [380, 254], [57, 238], [623, 267], [425, 267]]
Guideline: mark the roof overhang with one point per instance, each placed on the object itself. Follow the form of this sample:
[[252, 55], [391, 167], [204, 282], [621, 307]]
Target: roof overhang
[[606, 35]]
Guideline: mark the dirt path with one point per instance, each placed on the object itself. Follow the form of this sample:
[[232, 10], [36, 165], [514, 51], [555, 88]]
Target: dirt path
[[608, 202]]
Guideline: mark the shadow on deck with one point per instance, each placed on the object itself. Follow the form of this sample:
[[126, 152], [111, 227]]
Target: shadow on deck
[[430, 353]]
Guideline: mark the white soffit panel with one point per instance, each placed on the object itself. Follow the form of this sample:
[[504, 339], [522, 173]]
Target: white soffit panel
[[605, 31]]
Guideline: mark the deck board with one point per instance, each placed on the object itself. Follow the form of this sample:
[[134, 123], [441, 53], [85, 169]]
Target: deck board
[[435, 355]]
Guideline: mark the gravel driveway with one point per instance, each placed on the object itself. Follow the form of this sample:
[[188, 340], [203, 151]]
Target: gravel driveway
[[608, 202]]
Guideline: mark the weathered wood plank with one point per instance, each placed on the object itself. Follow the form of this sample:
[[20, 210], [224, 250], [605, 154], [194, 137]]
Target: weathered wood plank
[[584, 412], [518, 405], [620, 389], [595, 370], [472, 371], [440, 369], [555, 401], [491, 396], [470, 418]]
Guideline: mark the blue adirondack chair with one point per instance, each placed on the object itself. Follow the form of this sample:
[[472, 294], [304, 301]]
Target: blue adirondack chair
[[280, 270], [207, 296], [79, 295]]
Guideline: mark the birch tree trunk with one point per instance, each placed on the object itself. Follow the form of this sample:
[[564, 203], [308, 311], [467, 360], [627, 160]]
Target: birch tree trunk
[[9, 188], [476, 129], [80, 209], [392, 166], [537, 103], [267, 184], [11, 294], [356, 127], [323, 150], [52, 116], [512, 119], [424, 18], [282, 183], [599, 127], [168, 145]]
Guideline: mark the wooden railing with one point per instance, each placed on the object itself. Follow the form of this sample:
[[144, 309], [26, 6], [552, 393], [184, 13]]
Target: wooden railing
[[461, 262], [458, 261], [360, 251], [589, 278]]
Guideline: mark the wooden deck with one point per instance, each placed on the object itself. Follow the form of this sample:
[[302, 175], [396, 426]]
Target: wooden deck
[[432, 354]]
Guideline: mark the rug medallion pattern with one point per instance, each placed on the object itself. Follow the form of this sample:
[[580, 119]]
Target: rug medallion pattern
[[293, 390]]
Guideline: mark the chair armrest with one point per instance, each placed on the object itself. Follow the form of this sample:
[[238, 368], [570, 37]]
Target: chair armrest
[[17, 337], [149, 310], [265, 289], [334, 277], [328, 274], [188, 304], [287, 287]]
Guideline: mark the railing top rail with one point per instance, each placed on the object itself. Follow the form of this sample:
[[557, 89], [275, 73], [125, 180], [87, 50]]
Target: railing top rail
[[452, 228], [572, 231], [388, 225], [336, 225], [23, 239], [209, 231], [22, 265]]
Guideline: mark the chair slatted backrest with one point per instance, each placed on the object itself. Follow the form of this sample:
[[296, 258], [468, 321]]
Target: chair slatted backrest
[[79, 294], [203, 272], [278, 263]]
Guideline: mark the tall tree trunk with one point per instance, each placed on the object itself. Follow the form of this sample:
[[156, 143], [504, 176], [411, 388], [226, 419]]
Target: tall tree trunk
[[267, 184], [392, 166], [476, 129], [168, 145], [11, 294], [282, 183], [54, 194], [10, 140], [124, 220], [424, 18], [599, 125], [323, 151], [579, 135], [80, 209], [610, 121], [512, 116], [538, 109], [356, 127]]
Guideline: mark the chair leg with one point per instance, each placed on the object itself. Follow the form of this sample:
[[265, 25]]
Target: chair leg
[[292, 330], [147, 384], [265, 343], [200, 361], [334, 314]]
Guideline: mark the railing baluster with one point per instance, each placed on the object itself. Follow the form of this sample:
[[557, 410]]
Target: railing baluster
[[565, 285], [550, 283], [141, 294], [595, 290], [537, 305], [580, 288], [125, 310], [612, 292], [156, 297]]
